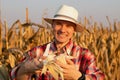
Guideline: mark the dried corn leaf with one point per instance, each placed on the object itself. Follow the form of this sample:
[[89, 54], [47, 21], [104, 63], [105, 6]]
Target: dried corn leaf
[[4, 75], [12, 60]]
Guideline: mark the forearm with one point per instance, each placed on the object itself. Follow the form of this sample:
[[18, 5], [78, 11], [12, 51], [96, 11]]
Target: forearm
[[91, 77], [96, 76], [27, 68], [90, 69], [22, 74]]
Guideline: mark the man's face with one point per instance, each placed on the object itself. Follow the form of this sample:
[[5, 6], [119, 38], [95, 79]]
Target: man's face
[[63, 30]]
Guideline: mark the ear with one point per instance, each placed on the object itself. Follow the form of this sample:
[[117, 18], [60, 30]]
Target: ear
[[75, 27], [74, 34]]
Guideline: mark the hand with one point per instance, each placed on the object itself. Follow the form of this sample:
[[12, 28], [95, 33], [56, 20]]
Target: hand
[[69, 70]]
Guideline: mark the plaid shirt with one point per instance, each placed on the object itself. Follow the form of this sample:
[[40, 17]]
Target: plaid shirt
[[85, 61]]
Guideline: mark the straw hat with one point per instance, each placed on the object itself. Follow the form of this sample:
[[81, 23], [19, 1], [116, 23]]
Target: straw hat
[[66, 13]]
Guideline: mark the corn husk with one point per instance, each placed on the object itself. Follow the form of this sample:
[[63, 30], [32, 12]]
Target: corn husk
[[52, 67]]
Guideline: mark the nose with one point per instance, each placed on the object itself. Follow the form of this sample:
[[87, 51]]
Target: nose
[[63, 28]]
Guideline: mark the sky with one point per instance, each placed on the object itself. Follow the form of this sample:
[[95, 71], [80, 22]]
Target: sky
[[12, 10]]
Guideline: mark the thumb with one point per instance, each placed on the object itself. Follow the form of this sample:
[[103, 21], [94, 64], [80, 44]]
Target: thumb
[[69, 61]]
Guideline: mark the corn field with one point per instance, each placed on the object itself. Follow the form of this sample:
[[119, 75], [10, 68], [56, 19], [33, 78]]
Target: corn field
[[103, 41]]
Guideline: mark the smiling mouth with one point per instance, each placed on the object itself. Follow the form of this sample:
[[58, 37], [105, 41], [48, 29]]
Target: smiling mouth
[[62, 35]]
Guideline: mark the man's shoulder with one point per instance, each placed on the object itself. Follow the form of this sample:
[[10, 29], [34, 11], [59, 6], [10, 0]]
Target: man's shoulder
[[40, 47], [36, 50], [85, 51]]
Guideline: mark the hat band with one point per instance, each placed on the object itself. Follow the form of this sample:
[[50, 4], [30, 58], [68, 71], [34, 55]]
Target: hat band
[[65, 17]]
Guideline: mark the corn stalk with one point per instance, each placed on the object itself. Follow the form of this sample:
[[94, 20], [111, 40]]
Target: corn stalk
[[0, 38], [6, 34]]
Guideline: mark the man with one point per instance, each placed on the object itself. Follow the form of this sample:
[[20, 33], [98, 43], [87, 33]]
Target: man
[[83, 67]]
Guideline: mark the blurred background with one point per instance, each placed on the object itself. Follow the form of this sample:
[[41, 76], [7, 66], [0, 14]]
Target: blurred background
[[22, 27]]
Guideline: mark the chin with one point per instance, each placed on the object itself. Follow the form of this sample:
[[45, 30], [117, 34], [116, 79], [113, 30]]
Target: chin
[[61, 41]]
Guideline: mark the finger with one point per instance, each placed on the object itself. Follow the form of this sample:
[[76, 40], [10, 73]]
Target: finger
[[60, 64], [70, 57], [43, 57], [69, 61], [38, 71]]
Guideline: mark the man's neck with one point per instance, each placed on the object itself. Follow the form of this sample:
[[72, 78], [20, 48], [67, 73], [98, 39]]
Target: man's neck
[[60, 45]]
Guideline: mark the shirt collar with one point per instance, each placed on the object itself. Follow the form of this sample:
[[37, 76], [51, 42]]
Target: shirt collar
[[67, 48]]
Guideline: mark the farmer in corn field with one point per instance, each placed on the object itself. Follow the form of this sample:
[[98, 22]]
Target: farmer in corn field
[[61, 59]]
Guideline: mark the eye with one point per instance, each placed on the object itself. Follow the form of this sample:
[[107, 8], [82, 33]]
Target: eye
[[68, 25], [57, 23]]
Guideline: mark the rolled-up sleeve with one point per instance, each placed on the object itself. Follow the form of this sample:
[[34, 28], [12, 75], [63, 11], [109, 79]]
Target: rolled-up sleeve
[[88, 66], [27, 60], [14, 72]]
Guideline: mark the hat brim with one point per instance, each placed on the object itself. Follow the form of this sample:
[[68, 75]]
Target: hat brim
[[79, 27]]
